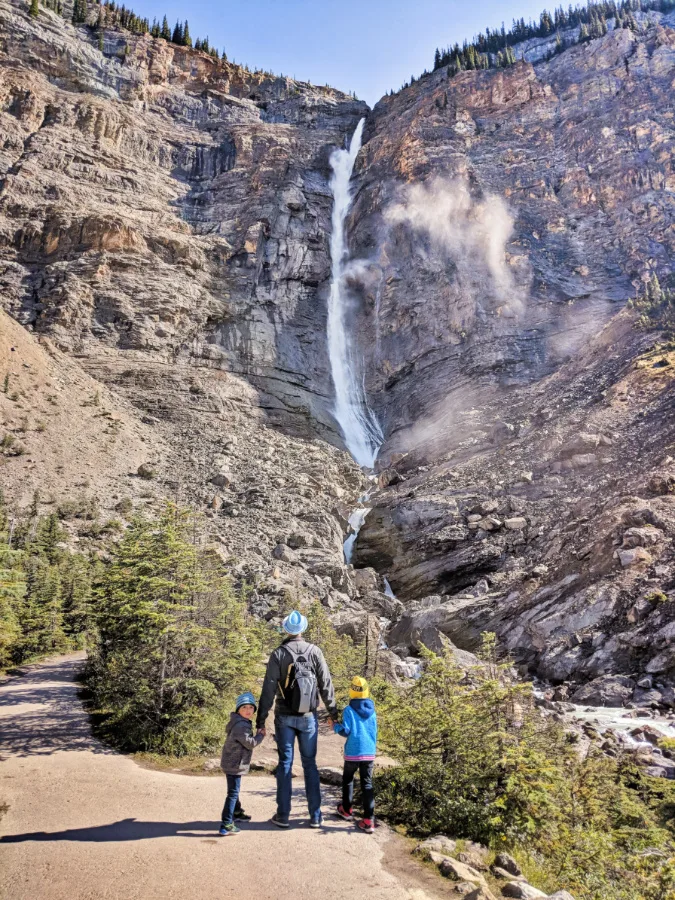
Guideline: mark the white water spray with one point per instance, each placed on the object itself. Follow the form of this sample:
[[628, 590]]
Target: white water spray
[[360, 429]]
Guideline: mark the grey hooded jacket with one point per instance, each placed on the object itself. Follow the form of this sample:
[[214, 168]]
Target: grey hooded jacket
[[238, 748], [277, 668]]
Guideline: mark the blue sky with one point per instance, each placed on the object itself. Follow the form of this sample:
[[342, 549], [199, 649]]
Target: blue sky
[[367, 46]]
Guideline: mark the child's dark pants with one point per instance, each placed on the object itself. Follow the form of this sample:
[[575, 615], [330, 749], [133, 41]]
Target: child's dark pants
[[232, 799], [365, 770]]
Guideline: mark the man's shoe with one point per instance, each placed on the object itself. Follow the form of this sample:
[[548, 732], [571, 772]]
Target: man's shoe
[[366, 825], [229, 829], [342, 812], [316, 823], [242, 817], [280, 823]]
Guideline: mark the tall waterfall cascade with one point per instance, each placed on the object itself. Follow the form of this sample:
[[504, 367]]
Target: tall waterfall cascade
[[360, 429]]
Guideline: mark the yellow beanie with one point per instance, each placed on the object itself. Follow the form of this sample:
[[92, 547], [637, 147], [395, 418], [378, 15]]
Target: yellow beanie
[[359, 689]]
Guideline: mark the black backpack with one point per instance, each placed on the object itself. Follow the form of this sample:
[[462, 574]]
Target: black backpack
[[300, 689]]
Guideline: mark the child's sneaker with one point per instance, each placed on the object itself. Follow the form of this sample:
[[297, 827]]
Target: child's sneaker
[[367, 825], [342, 812], [241, 816], [229, 829]]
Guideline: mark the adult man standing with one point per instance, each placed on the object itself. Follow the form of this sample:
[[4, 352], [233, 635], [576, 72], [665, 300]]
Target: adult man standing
[[296, 674]]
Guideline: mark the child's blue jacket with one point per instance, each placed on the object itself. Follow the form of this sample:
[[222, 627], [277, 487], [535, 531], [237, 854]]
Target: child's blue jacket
[[359, 726]]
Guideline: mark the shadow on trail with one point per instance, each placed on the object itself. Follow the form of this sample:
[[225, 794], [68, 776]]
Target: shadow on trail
[[135, 830], [41, 713]]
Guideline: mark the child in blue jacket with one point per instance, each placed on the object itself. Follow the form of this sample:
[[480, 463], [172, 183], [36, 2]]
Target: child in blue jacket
[[359, 726]]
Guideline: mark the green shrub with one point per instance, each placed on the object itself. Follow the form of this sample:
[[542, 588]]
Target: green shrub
[[657, 307], [478, 761]]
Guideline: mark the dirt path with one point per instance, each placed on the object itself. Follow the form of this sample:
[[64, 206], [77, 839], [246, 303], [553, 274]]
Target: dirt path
[[85, 823]]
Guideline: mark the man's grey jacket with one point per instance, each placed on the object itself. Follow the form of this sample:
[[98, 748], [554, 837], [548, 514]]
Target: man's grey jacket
[[277, 669]]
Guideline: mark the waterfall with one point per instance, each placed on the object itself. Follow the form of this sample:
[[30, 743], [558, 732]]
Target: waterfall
[[356, 520], [360, 429]]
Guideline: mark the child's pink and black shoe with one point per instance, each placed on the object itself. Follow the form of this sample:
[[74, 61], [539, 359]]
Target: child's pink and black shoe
[[344, 814], [366, 825]]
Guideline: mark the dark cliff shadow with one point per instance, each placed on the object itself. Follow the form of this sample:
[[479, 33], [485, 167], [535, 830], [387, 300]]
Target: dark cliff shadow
[[41, 713], [135, 830]]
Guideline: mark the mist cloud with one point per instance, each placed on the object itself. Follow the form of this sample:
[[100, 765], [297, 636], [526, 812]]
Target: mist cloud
[[471, 232]]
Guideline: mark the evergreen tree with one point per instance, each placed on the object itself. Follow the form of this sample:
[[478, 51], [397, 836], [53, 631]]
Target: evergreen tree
[[187, 40], [175, 644], [165, 33], [12, 590], [48, 536], [79, 11], [34, 11], [76, 578], [177, 36]]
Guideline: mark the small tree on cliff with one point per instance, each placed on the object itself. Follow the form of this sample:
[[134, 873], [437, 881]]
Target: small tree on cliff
[[34, 8], [187, 40], [165, 33], [177, 36]]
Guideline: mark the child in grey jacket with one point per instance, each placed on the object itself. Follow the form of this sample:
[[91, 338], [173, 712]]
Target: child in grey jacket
[[235, 760]]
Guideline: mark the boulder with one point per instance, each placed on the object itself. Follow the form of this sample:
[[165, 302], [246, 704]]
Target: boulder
[[521, 890], [607, 690], [438, 843], [642, 537], [633, 557], [389, 476], [507, 862], [475, 860], [299, 539], [222, 478], [582, 443], [515, 523], [459, 871], [330, 775], [382, 604], [284, 553], [462, 620], [561, 895], [481, 892], [503, 875], [366, 580], [649, 698], [145, 470]]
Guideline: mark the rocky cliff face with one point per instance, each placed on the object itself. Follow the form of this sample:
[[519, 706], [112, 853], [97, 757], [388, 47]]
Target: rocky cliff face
[[160, 202], [503, 215], [536, 496], [165, 223]]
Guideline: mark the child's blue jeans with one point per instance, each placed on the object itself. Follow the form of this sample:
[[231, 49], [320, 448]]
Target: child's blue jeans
[[233, 788]]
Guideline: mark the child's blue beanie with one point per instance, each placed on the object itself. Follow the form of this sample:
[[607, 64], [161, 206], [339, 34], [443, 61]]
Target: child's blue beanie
[[244, 699]]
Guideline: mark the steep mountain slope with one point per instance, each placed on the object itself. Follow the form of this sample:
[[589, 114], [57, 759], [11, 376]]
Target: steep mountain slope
[[500, 215], [165, 222]]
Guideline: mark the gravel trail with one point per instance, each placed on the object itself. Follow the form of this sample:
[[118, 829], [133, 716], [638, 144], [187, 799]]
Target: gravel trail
[[86, 823]]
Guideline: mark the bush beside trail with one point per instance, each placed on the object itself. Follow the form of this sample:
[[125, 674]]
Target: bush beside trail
[[478, 761]]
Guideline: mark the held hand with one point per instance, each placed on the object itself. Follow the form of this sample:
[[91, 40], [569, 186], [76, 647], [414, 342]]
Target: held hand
[[262, 731]]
